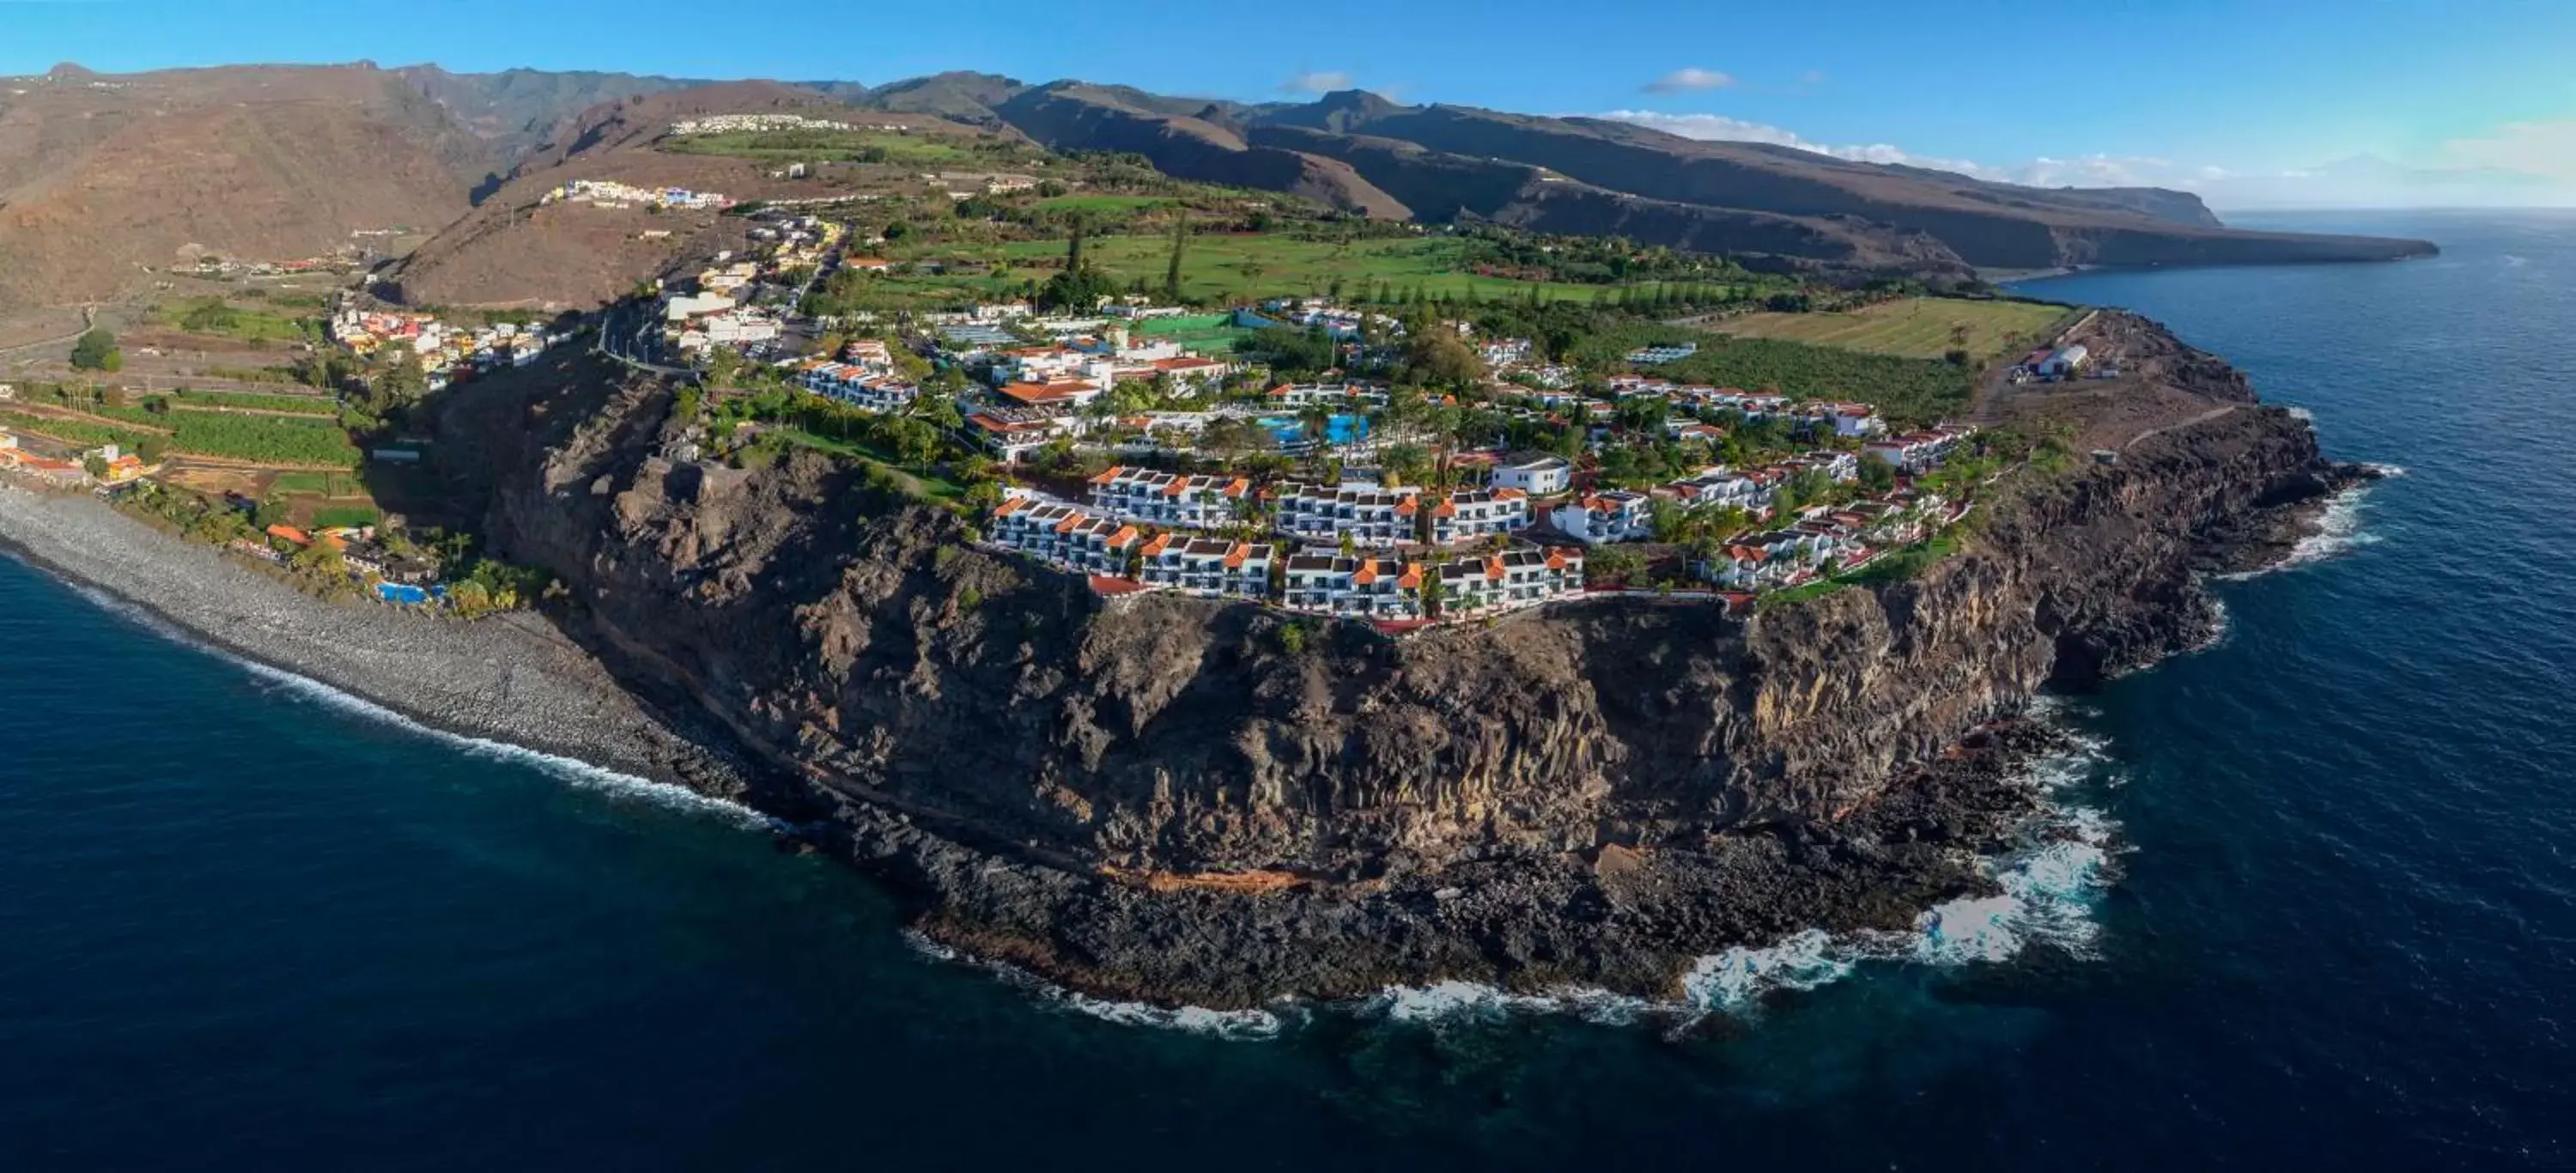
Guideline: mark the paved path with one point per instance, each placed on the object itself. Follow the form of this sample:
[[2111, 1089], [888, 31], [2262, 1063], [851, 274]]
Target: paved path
[[2202, 418], [89, 320]]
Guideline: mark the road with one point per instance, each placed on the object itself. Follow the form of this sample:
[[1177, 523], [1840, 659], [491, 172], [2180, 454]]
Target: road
[[625, 335], [89, 321], [2194, 421]]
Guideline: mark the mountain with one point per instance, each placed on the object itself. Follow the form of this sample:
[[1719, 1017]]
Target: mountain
[[513, 250], [1074, 116], [1987, 224], [959, 95], [1368, 154], [104, 180], [516, 109]]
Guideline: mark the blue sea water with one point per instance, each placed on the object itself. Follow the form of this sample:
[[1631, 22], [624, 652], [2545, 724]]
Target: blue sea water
[[2324, 913]]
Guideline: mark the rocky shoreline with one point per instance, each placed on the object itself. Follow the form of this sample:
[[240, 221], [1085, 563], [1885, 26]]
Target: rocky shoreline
[[513, 679], [1160, 801]]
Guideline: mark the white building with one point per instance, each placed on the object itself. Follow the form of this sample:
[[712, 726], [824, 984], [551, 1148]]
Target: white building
[[1367, 515], [1607, 516], [1170, 499], [1207, 567], [1537, 474], [1468, 515]]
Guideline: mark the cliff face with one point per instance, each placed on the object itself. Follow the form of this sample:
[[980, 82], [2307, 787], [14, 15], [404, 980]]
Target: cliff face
[[997, 712]]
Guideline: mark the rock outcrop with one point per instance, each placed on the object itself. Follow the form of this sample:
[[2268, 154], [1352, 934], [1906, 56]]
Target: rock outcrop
[[1155, 797]]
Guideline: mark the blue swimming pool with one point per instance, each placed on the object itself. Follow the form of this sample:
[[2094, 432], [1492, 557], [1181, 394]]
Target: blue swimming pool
[[1343, 429]]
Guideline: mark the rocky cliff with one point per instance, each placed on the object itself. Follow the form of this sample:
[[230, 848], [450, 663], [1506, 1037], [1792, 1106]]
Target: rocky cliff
[[1154, 797]]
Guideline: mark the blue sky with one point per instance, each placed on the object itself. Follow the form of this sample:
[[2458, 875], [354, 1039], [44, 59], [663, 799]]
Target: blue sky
[[2226, 97]]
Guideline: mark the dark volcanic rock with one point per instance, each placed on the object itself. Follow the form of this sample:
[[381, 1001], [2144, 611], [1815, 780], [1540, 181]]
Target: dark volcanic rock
[[1151, 798]]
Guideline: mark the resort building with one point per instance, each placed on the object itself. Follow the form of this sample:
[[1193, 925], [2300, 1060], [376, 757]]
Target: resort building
[[1535, 473], [1170, 499], [1367, 515], [1469, 515], [1207, 567], [1515, 578], [1607, 516]]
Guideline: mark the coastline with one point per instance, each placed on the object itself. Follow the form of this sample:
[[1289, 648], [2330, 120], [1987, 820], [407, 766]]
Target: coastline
[[1616, 921], [510, 679]]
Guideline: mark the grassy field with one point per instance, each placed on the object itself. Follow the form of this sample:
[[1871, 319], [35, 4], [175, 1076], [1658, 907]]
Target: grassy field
[[187, 400], [254, 323], [1103, 203], [1917, 327], [257, 439], [1207, 333], [1227, 268], [1910, 390], [823, 146]]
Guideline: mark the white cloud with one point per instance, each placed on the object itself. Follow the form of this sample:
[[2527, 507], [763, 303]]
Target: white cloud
[[1316, 82], [1688, 81], [2537, 148]]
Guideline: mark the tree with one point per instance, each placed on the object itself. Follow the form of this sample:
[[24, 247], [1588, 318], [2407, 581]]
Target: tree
[[95, 465], [1877, 476], [1435, 356], [724, 366], [96, 351], [1180, 245], [150, 449], [406, 381]]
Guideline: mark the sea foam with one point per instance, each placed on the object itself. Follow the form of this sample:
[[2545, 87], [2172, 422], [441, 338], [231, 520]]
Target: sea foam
[[2049, 884], [580, 774], [2338, 530], [1234, 1025]]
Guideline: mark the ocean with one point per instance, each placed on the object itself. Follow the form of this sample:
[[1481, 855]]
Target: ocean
[[2312, 904]]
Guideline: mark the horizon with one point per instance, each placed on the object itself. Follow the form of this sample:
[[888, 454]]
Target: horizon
[[2419, 107]]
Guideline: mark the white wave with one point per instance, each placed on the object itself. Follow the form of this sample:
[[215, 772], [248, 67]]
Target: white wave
[[1474, 1001], [2049, 888], [575, 772], [1234, 1025], [2222, 622], [1737, 980], [2300, 413], [2338, 531], [572, 771]]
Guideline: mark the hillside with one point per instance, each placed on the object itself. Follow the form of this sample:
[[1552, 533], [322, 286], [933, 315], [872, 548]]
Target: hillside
[[103, 182], [1986, 224], [1364, 153], [1071, 116], [516, 109]]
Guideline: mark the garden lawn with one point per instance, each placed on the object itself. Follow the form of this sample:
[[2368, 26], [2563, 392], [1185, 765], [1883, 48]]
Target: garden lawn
[[1914, 327]]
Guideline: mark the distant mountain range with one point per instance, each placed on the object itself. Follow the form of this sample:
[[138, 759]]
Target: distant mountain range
[[103, 177]]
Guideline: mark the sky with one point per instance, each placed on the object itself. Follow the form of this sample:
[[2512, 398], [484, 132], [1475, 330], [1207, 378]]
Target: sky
[[2260, 103]]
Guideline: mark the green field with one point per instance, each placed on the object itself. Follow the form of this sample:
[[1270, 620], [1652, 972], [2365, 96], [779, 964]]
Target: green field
[[1915, 327], [215, 318], [258, 439], [1103, 203], [1206, 333], [1224, 268], [1910, 390], [186, 400], [824, 146]]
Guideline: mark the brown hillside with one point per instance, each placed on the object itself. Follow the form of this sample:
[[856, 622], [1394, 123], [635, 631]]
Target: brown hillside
[[1075, 117], [104, 180]]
